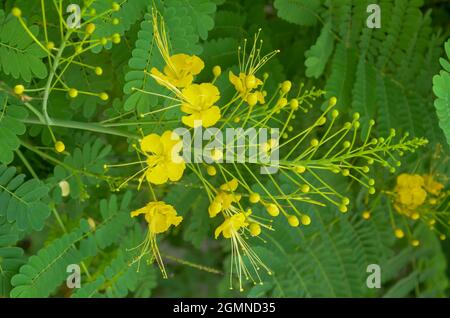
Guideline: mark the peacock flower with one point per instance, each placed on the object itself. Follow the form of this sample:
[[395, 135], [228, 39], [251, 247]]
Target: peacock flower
[[233, 228], [198, 101], [410, 193], [163, 159], [245, 84], [179, 70], [159, 217], [224, 199]]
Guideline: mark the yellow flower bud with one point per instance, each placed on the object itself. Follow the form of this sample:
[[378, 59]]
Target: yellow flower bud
[[293, 220], [216, 154], [254, 197], [415, 216], [211, 170], [98, 71], [103, 41], [217, 71], [442, 237], [50, 45], [366, 215], [73, 92], [332, 102], [103, 96], [294, 104], [343, 208], [90, 28], [272, 209], [335, 113], [286, 86], [399, 233], [16, 12], [116, 38], [314, 142], [305, 188], [115, 6], [255, 229], [415, 243], [306, 220], [115, 21], [300, 169], [19, 89], [59, 146]]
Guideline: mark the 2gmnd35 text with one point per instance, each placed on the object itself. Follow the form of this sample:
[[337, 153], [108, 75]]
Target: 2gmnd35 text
[[228, 307]]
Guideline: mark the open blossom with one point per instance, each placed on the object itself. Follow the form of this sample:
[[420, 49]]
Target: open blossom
[[231, 225], [159, 216], [198, 102], [163, 158], [180, 70]]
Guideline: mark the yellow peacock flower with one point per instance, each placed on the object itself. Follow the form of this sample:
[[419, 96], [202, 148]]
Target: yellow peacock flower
[[163, 159], [198, 102], [160, 217], [234, 227], [179, 70]]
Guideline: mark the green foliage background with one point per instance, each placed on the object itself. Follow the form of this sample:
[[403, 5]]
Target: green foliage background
[[398, 75]]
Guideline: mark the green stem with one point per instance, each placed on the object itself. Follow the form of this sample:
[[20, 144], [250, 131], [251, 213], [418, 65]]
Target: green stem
[[95, 127], [27, 164]]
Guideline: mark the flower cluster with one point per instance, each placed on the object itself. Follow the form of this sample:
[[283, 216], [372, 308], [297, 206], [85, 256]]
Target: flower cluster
[[420, 197], [306, 155]]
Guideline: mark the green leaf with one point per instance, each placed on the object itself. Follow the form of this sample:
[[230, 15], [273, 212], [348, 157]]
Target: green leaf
[[317, 56], [23, 203], [20, 56], [46, 270], [441, 88], [11, 126], [200, 11], [302, 12]]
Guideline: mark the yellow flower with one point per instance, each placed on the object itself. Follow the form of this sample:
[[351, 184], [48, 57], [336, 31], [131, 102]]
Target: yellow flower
[[244, 84], [159, 216], [231, 228], [224, 198], [163, 159], [198, 102], [410, 193], [179, 70], [231, 225], [431, 186]]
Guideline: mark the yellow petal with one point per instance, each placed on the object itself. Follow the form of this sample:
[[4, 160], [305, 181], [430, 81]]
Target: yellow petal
[[152, 144], [230, 186], [157, 175], [175, 170], [210, 116]]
